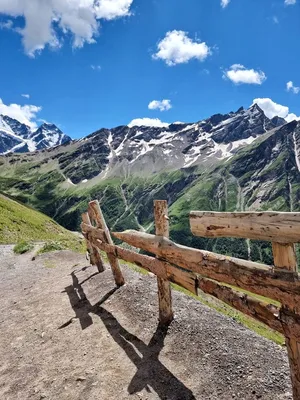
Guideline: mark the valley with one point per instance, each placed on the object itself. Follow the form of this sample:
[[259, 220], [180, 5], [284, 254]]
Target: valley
[[234, 162]]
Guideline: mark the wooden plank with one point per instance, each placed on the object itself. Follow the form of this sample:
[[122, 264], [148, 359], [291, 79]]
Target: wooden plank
[[255, 277], [95, 257], [265, 313], [188, 280], [162, 269], [95, 211], [85, 219], [272, 226], [285, 257], [163, 285], [95, 233]]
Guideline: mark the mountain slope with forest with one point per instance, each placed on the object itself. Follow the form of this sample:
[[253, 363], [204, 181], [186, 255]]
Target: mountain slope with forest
[[234, 162]]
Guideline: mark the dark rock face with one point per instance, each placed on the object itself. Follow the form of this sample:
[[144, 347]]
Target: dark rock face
[[278, 121], [7, 142], [18, 138], [17, 127], [242, 125]]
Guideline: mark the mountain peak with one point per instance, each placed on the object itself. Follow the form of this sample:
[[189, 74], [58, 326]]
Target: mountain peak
[[255, 108], [18, 137]]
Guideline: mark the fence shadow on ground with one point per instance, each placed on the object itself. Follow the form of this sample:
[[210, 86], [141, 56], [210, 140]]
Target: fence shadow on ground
[[151, 373]]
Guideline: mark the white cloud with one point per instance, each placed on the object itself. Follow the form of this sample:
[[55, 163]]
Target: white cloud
[[238, 74], [44, 18], [148, 122], [292, 117], [272, 109], [177, 48], [96, 67], [290, 2], [25, 114], [224, 3], [25, 95], [291, 88], [275, 19], [163, 105]]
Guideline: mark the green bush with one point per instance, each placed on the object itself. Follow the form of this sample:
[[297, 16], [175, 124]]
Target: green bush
[[23, 247], [51, 246]]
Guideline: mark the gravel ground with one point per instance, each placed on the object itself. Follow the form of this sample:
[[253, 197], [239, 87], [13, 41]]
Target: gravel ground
[[67, 333]]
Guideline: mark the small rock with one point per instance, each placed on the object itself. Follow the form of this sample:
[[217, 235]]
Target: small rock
[[81, 379], [42, 334]]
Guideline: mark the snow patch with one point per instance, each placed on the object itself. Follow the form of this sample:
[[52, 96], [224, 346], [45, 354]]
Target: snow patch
[[69, 181]]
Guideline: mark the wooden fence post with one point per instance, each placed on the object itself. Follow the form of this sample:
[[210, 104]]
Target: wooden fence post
[[95, 257], [164, 288], [285, 258], [95, 210]]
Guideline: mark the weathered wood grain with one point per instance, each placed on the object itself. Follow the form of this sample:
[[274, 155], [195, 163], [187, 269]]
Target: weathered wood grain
[[285, 257], [162, 269], [254, 277], [266, 313], [164, 288], [95, 233], [272, 226], [95, 258], [95, 211]]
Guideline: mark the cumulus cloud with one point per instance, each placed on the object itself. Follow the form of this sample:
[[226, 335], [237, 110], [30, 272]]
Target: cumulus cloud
[[46, 21], [239, 74], [292, 117], [148, 122], [290, 2], [26, 96], [291, 88], [96, 67], [177, 48], [224, 3], [25, 114], [162, 105], [272, 109]]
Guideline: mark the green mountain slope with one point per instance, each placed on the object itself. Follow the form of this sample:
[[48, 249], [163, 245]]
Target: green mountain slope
[[263, 175], [18, 222]]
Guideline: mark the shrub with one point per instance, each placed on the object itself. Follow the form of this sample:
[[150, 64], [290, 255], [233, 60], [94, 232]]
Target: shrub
[[51, 246], [23, 247]]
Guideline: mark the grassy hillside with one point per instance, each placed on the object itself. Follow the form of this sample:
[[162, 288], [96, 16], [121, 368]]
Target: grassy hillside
[[19, 222]]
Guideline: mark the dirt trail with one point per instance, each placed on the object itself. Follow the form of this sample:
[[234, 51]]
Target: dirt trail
[[67, 333]]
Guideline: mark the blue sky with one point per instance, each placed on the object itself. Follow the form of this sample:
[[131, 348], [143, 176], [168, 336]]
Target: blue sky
[[87, 66]]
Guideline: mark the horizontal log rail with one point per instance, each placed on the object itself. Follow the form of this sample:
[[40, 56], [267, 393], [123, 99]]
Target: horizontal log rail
[[258, 278], [281, 227], [194, 269]]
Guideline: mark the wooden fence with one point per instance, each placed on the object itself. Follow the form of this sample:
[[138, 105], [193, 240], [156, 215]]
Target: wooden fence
[[195, 269]]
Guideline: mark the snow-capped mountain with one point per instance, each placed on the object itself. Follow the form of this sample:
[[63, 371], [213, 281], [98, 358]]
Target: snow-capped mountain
[[16, 137], [136, 150]]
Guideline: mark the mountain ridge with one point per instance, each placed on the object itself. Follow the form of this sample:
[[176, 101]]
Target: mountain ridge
[[234, 162]]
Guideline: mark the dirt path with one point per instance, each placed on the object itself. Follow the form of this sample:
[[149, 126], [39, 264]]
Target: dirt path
[[67, 333]]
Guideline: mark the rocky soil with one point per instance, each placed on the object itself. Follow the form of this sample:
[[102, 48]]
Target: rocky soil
[[67, 333]]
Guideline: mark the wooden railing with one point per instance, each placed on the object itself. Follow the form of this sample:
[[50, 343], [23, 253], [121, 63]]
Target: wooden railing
[[195, 269]]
